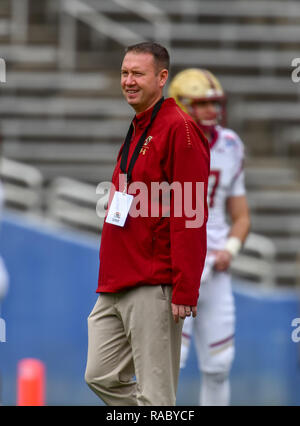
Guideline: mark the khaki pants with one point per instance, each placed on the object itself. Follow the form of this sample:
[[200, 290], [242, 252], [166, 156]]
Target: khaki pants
[[134, 333]]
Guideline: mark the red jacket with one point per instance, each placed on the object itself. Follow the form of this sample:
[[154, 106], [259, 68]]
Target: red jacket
[[159, 250]]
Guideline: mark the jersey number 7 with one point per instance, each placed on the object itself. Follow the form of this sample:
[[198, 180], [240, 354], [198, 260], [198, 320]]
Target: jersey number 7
[[214, 179]]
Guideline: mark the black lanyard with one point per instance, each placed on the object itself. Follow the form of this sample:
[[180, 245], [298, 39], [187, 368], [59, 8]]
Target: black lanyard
[[139, 145]]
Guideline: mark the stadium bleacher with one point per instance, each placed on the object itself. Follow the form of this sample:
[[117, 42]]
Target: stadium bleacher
[[62, 113]]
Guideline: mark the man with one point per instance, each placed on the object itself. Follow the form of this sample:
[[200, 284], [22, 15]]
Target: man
[[200, 94], [150, 264]]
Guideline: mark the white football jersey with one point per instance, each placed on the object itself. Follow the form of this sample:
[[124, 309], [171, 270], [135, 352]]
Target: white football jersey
[[226, 179]]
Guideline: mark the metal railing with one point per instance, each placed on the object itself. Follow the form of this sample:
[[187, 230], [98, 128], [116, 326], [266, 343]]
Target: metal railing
[[23, 185], [151, 13], [256, 260]]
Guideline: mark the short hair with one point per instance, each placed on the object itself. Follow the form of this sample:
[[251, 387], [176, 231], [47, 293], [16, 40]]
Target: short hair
[[160, 54]]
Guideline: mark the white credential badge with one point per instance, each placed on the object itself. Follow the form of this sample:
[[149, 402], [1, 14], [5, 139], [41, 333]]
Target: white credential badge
[[119, 208]]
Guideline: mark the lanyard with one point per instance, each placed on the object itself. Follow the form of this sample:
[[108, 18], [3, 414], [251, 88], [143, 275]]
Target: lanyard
[[139, 145]]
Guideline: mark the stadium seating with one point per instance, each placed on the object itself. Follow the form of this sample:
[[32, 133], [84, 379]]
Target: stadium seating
[[52, 81], [63, 116], [287, 141], [4, 28], [29, 55], [228, 32], [215, 8], [23, 186]]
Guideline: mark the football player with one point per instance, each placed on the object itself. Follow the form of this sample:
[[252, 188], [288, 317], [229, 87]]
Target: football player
[[199, 93]]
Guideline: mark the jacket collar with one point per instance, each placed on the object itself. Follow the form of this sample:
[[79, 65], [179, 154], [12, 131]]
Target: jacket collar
[[142, 119]]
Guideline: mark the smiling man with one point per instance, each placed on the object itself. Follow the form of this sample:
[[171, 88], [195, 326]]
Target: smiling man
[[150, 267]]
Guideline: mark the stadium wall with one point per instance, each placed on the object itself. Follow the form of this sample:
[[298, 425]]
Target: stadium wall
[[53, 277]]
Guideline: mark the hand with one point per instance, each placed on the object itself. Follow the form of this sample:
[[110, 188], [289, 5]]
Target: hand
[[223, 260], [182, 311]]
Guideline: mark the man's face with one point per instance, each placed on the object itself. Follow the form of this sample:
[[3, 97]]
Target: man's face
[[141, 81]]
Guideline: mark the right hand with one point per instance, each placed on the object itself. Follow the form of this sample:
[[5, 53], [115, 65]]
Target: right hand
[[183, 311]]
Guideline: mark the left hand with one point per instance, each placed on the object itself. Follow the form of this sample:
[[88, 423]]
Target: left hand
[[182, 311], [223, 260]]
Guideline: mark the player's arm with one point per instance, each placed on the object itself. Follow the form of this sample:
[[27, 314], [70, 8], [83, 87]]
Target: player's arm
[[238, 211]]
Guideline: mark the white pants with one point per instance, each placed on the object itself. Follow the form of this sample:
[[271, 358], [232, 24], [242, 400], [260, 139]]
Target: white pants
[[213, 328]]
